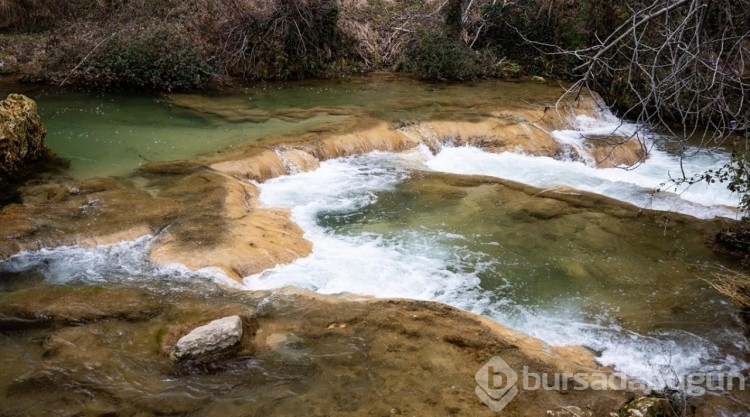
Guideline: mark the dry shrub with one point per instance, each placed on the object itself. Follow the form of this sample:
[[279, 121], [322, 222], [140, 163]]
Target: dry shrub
[[734, 285], [280, 39], [10, 13], [39, 15], [369, 44]]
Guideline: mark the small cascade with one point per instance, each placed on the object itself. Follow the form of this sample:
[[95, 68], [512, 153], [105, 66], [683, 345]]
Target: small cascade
[[573, 148], [339, 208], [296, 160], [597, 138]]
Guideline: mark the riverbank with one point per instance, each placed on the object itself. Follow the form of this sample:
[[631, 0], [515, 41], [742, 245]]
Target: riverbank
[[182, 45]]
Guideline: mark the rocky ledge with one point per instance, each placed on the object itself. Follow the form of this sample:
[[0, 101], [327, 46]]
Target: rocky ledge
[[198, 217], [282, 353]]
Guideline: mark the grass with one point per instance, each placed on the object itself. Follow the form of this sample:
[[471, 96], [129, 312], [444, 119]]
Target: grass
[[735, 285]]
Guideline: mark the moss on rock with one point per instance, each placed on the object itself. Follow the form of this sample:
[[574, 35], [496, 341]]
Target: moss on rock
[[21, 135]]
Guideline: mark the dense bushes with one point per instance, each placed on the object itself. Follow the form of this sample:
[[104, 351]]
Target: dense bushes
[[439, 57], [173, 44], [291, 39], [150, 46], [159, 58]]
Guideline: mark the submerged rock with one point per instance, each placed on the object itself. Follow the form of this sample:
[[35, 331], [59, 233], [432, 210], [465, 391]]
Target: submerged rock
[[311, 355], [217, 336], [21, 134], [56, 306], [648, 407]]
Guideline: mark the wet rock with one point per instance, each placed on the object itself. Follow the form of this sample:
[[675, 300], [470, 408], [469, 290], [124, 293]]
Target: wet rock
[[304, 154], [86, 213], [569, 411], [21, 134], [613, 151], [648, 407], [217, 336], [51, 306], [222, 226], [510, 132], [414, 357], [201, 218], [171, 168], [166, 404], [516, 129]]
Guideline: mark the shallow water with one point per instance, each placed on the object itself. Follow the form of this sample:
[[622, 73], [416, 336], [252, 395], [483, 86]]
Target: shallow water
[[103, 136], [409, 225], [112, 134]]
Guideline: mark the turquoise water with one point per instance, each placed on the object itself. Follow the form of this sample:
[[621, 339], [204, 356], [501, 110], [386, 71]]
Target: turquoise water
[[112, 134]]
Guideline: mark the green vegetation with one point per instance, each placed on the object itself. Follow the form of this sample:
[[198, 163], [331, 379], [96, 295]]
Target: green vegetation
[[159, 58], [122, 43], [736, 175], [440, 57]]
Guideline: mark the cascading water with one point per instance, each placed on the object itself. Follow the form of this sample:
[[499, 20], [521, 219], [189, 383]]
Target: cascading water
[[393, 225], [426, 261]]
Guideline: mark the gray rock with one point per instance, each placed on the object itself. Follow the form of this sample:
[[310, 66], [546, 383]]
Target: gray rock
[[215, 337]]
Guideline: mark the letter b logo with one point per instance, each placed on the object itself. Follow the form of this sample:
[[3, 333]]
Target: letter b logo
[[496, 384]]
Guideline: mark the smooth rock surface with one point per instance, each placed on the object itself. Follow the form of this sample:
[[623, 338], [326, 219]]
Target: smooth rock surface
[[310, 355], [200, 218], [214, 337]]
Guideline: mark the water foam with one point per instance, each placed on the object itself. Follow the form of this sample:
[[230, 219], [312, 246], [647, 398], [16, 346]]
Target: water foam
[[647, 185], [432, 264], [639, 186], [121, 262], [383, 267]]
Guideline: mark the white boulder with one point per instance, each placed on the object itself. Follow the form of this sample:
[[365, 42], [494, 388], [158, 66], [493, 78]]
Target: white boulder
[[215, 337]]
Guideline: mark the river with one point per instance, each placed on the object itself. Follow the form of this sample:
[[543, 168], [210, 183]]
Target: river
[[430, 224]]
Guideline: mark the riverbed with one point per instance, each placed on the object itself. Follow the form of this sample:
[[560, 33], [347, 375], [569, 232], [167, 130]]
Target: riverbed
[[438, 223]]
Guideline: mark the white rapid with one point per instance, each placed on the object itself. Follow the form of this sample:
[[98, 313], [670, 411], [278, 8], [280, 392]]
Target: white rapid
[[121, 262], [433, 265], [645, 186]]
